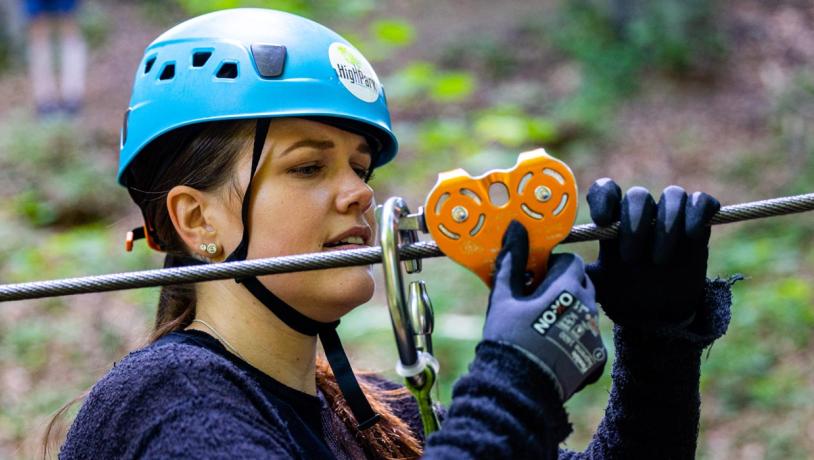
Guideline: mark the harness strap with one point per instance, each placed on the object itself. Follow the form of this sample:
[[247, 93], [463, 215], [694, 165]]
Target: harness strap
[[364, 414], [242, 249], [290, 316]]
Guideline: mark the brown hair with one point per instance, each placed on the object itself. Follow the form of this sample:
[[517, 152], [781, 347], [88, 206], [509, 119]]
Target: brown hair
[[204, 157]]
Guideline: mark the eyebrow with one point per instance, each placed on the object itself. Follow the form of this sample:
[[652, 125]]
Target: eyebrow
[[364, 147], [322, 145]]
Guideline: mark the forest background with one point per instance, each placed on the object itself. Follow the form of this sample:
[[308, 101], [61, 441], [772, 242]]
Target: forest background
[[711, 95]]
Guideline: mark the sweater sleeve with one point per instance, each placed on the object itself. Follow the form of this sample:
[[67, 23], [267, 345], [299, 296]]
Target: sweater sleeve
[[505, 407], [654, 405]]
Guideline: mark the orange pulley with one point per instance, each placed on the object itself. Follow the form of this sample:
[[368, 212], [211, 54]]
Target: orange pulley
[[467, 217]]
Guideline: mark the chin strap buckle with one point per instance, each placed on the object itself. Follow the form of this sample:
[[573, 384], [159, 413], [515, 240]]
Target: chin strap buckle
[[133, 235], [140, 233]]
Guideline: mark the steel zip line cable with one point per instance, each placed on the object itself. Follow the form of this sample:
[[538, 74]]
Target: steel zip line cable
[[348, 258]]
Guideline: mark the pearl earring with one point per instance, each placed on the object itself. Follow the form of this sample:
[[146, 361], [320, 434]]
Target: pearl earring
[[210, 248]]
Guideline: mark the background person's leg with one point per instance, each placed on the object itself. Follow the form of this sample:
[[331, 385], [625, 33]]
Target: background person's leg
[[40, 66], [73, 60]]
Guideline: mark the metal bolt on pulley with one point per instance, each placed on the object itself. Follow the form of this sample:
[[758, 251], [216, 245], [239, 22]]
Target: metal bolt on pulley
[[542, 193], [460, 214]]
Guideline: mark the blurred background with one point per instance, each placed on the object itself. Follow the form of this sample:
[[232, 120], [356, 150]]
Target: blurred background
[[712, 95]]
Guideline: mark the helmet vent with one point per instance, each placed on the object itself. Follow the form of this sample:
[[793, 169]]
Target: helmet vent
[[149, 64], [169, 72], [227, 70], [124, 127], [199, 58]]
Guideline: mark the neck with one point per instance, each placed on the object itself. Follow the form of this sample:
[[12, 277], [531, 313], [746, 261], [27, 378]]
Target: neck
[[256, 334]]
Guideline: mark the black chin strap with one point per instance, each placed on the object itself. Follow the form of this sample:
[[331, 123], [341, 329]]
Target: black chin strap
[[364, 414]]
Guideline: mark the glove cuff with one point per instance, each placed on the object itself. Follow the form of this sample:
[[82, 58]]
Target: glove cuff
[[514, 367], [543, 366]]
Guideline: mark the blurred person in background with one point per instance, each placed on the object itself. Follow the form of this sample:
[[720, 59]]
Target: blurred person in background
[[47, 18], [253, 133]]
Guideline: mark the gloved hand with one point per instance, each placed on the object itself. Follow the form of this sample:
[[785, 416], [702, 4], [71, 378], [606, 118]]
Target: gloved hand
[[654, 273], [556, 325]]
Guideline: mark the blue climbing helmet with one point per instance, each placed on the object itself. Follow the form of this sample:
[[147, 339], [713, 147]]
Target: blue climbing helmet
[[253, 63]]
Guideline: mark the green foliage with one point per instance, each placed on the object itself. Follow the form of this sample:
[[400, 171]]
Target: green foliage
[[53, 172], [5, 44], [383, 38], [56, 255], [452, 87], [198, 7], [609, 66], [677, 36], [475, 103], [760, 369], [27, 342], [481, 140], [485, 54], [792, 119], [615, 46], [447, 135], [756, 364], [512, 128], [95, 24], [394, 32], [347, 9], [421, 82]]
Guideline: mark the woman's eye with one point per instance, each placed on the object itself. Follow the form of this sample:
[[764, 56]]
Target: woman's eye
[[307, 170], [361, 172]]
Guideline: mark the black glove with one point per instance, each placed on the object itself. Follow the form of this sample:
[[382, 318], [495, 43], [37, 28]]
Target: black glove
[[556, 325], [654, 272]]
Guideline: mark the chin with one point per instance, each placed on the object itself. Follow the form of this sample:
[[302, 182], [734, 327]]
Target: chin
[[325, 295], [354, 286]]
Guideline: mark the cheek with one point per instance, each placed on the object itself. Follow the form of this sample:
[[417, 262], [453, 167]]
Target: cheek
[[293, 221], [288, 222], [370, 218]]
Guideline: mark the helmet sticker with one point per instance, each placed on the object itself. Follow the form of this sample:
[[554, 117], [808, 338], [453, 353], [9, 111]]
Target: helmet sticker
[[355, 73]]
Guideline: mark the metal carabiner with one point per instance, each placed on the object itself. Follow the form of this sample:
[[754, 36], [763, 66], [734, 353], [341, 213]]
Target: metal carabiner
[[416, 363], [390, 237]]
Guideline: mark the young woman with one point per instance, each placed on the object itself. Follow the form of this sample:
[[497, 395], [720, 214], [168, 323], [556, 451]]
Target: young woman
[[252, 133]]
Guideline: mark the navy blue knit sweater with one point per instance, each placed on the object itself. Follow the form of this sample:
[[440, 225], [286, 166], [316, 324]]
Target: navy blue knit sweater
[[187, 397]]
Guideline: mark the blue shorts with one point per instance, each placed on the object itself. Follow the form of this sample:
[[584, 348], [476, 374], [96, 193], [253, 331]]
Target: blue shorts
[[36, 8]]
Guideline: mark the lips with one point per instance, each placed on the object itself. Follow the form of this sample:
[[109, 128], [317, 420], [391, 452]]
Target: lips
[[354, 237]]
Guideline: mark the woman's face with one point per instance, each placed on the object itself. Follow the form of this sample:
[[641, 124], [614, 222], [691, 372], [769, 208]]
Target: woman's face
[[309, 195]]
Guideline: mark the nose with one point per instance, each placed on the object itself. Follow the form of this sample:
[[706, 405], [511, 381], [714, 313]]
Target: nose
[[354, 192]]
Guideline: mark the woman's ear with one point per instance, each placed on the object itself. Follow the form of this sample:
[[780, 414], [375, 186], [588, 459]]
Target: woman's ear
[[188, 209]]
